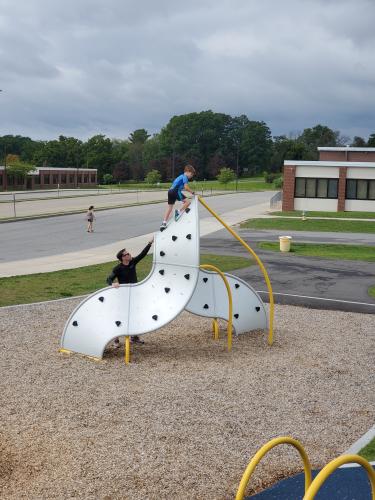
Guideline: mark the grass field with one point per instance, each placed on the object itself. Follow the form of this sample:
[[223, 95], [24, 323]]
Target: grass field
[[336, 215], [83, 280], [368, 452], [253, 184], [371, 291], [327, 251], [335, 226]]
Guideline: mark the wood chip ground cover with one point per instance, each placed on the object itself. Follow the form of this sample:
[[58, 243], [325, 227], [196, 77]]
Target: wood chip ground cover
[[184, 419]]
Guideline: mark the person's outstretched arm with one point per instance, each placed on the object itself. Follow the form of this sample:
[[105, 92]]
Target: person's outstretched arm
[[143, 253]]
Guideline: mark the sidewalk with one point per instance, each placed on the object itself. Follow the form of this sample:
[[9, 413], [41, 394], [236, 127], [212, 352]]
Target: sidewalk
[[106, 253]]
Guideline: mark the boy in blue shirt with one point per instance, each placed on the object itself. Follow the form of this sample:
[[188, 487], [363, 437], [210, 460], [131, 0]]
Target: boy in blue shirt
[[175, 193]]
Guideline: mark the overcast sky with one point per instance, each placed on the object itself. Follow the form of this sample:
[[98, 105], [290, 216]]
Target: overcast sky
[[81, 67]]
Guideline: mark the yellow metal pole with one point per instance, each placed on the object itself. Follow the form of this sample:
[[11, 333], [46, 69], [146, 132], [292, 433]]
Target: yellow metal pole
[[127, 350], [230, 312], [332, 466], [265, 449], [259, 262], [215, 328]]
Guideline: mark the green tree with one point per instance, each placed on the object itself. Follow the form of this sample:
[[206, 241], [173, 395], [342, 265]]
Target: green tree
[[107, 178], [153, 177], [358, 142], [98, 154], [371, 141], [321, 135], [18, 168], [226, 175]]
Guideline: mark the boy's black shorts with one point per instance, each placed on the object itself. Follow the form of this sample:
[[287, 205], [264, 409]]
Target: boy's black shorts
[[174, 195]]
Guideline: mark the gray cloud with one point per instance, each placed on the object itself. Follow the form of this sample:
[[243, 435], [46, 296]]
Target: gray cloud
[[83, 67]]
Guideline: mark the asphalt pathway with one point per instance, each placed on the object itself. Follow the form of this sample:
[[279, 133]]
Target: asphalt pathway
[[307, 281], [62, 234]]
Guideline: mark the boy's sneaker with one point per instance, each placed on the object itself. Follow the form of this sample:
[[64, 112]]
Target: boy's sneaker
[[176, 214], [163, 226]]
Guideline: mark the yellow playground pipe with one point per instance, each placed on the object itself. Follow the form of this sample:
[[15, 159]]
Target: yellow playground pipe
[[259, 262], [265, 449], [230, 312], [332, 466], [127, 350]]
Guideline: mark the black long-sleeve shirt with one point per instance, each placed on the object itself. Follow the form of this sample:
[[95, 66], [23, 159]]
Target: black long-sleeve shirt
[[127, 274]]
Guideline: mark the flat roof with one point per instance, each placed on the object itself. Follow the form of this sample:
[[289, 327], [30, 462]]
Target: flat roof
[[326, 163], [346, 148]]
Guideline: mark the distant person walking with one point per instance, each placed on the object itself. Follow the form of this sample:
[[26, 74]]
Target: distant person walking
[[90, 216]]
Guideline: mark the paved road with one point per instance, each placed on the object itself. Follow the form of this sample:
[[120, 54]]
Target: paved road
[[56, 235], [303, 276]]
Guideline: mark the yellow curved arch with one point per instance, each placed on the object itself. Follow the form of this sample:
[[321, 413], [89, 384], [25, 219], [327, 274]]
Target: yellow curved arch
[[230, 300], [259, 262], [332, 466], [265, 449]]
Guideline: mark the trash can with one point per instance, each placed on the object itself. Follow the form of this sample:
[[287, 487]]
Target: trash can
[[285, 242]]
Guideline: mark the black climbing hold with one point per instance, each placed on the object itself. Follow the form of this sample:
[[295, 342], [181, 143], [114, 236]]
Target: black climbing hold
[[118, 323], [174, 238], [75, 323], [188, 236], [162, 229], [101, 299], [187, 276], [161, 272], [237, 285], [155, 317], [205, 280], [257, 308], [205, 306], [236, 316], [162, 253], [167, 290], [187, 210]]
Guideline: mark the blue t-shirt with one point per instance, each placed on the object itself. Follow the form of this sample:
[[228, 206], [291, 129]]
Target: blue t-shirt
[[180, 182]]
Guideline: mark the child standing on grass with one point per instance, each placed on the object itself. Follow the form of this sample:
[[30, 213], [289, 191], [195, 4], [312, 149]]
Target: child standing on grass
[[90, 216], [175, 193]]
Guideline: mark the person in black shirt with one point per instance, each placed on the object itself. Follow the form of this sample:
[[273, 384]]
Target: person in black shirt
[[125, 272]]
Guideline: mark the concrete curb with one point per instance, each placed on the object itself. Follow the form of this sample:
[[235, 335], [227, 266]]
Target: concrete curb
[[361, 442]]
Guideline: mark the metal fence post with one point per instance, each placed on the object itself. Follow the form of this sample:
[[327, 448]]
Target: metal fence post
[[14, 205]]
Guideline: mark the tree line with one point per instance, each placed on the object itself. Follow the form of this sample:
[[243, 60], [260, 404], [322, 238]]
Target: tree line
[[210, 141]]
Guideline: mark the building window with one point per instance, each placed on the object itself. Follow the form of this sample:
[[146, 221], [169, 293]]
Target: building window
[[55, 179], [360, 189], [46, 179], [71, 179], [309, 187], [63, 178], [371, 190], [37, 180]]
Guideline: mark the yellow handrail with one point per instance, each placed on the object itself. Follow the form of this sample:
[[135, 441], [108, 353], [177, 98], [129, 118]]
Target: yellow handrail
[[230, 312], [265, 449], [259, 262], [332, 466]]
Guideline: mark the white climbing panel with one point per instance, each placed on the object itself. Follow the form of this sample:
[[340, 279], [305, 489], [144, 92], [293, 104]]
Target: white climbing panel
[[175, 283], [210, 299], [146, 306]]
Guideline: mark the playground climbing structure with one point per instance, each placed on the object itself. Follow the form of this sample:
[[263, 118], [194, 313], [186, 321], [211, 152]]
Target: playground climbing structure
[[176, 282]]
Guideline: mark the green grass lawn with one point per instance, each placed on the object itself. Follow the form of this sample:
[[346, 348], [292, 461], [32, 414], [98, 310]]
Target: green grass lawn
[[371, 291], [368, 452], [336, 226], [253, 184], [337, 215], [83, 280], [327, 251]]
